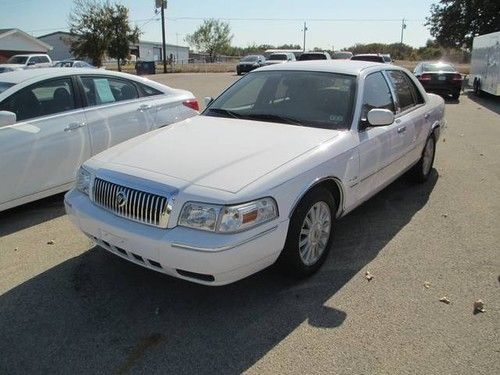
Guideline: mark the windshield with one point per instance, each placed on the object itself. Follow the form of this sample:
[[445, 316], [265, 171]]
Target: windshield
[[313, 99], [17, 60], [438, 67], [312, 56], [368, 58], [5, 85], [278, 57], [250, 58]]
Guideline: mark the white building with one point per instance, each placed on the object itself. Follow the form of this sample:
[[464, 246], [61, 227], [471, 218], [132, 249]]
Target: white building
[[15, 42], [152, 51], [144, 50]]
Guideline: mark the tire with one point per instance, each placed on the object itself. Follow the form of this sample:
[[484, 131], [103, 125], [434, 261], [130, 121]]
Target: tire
[[477, 87], [422, 170], [238, 72], [456, 95], [293, 258]]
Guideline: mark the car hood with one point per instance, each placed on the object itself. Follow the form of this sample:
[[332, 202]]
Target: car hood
[[214, 152]]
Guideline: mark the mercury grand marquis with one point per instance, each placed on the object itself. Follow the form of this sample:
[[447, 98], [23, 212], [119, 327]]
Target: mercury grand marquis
[[262, 175]]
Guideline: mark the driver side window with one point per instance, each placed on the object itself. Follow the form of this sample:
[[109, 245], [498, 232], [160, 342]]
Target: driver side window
[[376, 95]]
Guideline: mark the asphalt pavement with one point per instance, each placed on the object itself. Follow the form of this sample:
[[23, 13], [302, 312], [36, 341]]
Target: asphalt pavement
[[68, 306]]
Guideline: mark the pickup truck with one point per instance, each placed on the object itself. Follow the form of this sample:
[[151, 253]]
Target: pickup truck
[[19, 62]]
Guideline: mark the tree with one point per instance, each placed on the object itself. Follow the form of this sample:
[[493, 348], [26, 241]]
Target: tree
[[213, 37], [454, 23], [101, 28], [121, 34], [88, 22]]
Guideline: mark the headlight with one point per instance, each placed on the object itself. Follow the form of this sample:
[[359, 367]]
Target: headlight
[[228, 219], [83, 181]]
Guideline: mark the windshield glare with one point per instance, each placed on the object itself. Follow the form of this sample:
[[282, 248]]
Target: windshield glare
[[17, 60], [313, 99], [250, 58], [438, 68], [277, 57]]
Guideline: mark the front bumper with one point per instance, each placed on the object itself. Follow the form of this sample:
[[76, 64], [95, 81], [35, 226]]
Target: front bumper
[[194, 255]]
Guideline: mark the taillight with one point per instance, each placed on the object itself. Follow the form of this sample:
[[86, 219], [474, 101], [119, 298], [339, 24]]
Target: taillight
[[192, 103], [457, 77], [425, 77]]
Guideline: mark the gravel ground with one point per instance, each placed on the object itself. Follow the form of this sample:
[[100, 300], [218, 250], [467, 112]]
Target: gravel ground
[[70, 307]]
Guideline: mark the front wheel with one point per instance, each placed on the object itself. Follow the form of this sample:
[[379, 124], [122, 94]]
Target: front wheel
[[309, 235], [422, 170]]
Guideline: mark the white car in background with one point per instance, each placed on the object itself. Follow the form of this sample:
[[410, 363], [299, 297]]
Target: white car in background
[[280, 58], [262, 174], [19, 62], [52, 120]]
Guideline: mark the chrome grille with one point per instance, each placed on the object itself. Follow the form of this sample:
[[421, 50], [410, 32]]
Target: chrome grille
[[140, 206]]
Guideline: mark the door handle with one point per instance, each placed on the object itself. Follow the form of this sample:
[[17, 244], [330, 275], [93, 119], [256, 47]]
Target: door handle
[[74, 126], [144, 107], [401, 129], [427, 115]]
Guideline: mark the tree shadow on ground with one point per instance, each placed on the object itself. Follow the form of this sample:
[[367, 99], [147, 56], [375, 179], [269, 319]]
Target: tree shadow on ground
[[97, 313]]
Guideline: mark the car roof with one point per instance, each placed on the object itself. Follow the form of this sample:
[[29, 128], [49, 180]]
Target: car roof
[[332, 66], [31, 54], [19, 76]]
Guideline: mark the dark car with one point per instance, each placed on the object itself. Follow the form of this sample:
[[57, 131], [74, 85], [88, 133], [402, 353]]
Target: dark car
[[372, 57], [249, 63], [440, 78], [314, 56]]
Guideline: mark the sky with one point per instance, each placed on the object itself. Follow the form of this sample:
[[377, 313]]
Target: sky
[[331, 23]]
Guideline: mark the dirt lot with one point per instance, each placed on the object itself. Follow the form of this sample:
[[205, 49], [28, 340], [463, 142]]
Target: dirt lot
[[70, 307]]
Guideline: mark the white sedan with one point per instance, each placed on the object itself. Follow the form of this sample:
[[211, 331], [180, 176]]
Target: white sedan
[[52, 120], [263, 174]]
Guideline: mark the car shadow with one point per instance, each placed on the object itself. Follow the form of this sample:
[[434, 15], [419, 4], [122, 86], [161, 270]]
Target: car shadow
[[486, 100], [31, 214], [99, 313]]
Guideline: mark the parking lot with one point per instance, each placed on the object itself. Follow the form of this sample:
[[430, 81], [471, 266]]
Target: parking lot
[[68, 306]]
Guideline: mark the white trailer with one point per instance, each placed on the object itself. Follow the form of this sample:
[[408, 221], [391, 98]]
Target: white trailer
[[485, 64]]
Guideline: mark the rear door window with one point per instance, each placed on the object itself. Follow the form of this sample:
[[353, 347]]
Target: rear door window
[[103, 90]]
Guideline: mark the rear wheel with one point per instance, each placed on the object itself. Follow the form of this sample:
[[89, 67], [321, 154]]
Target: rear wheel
[[422, 170], [477, 87], [309, 235], [456, 95]]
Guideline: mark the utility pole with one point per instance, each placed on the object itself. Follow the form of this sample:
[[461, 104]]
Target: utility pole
[[163, 6], [403, 27], [177, 47], [305, 30]]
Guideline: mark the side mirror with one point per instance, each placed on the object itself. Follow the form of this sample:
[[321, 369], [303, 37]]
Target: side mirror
[[7, 118], [380, 117], [207, 100]]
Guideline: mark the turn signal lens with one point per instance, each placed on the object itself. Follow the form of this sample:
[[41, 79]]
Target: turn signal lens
[[425, 77]]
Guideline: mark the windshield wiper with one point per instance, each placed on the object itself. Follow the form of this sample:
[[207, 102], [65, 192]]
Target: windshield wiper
[[224, 112], [273, 118]]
